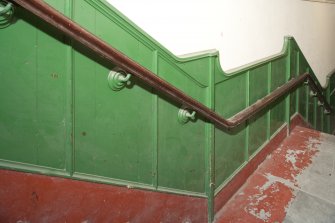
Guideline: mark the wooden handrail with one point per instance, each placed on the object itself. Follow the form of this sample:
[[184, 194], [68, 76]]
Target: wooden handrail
[[89, 40]]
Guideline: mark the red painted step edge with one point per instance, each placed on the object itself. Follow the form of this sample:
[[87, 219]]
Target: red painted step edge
[[298, 120], [35, 198], [240, 178]]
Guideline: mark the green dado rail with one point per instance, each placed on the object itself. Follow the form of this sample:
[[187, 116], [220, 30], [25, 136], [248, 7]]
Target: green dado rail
[[95, 98]]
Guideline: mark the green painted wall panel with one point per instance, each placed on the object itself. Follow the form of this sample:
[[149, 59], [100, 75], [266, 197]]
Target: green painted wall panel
[[304, 97], [303, 100], [258, 125], [226, 105], [107, 144], [311, 111], [294, 57], [278, 109], [116, 36], [181, 80], [187, 169], [229, 146], [50, 102], [332, 85], [277, 116], [181, 152], [258, 83], [319, 118], [278, 73], [17, 96], [294, 72], [33, 110], [113, 130], [229, 154], [197, 69], [293, 103], [80, 12]]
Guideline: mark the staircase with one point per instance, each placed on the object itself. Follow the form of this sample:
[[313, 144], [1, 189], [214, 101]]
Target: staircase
[[99, 121], [294, 184]]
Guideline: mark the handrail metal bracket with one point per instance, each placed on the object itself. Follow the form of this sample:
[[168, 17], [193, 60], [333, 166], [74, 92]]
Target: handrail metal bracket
[[313, 94], [118, 79], [184, 116], [306, 82], [6, 13], [327, 112]]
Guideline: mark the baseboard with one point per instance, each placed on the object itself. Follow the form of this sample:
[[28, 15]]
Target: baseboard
[[27, 197]]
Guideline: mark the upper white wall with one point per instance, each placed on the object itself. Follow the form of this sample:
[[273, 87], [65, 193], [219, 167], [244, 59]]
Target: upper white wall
[[242, 30]]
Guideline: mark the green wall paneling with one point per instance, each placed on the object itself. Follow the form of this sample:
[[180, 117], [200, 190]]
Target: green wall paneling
[[229, 146], [304, 96], [181, 147], [156, 146], [59, 116], [303, 100], [197, 68], [294, 72], [108, 142], [277, 79], [181, 151], [33, 92], [312, 111], [259, 124], [332, 84], [293, 103], [319, 118]]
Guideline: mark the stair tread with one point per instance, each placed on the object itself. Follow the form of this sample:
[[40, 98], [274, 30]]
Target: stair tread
[[299, 171]]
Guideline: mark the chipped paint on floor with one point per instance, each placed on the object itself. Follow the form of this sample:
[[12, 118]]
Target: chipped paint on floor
[[269, 193]]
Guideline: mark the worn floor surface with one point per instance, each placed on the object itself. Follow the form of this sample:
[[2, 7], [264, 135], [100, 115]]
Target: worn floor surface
[[296, 183]]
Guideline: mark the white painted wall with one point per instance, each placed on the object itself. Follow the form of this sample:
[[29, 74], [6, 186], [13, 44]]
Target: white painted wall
[[242, 30]]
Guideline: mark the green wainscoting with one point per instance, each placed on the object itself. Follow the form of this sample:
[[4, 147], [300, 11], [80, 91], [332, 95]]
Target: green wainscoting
[[59, 117]]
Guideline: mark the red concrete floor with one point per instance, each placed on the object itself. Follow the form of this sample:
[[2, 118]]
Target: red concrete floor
[[280, 189]]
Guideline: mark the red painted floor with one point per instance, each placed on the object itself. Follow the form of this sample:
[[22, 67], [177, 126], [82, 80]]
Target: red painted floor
[[270, 194]]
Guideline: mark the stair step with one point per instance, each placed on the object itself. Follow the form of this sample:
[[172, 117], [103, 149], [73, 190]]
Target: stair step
[[296, 183]]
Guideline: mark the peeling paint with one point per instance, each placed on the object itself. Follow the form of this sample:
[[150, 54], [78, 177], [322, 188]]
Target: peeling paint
[[260, 214], [270, 191], [274, 179], [292, 155]]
